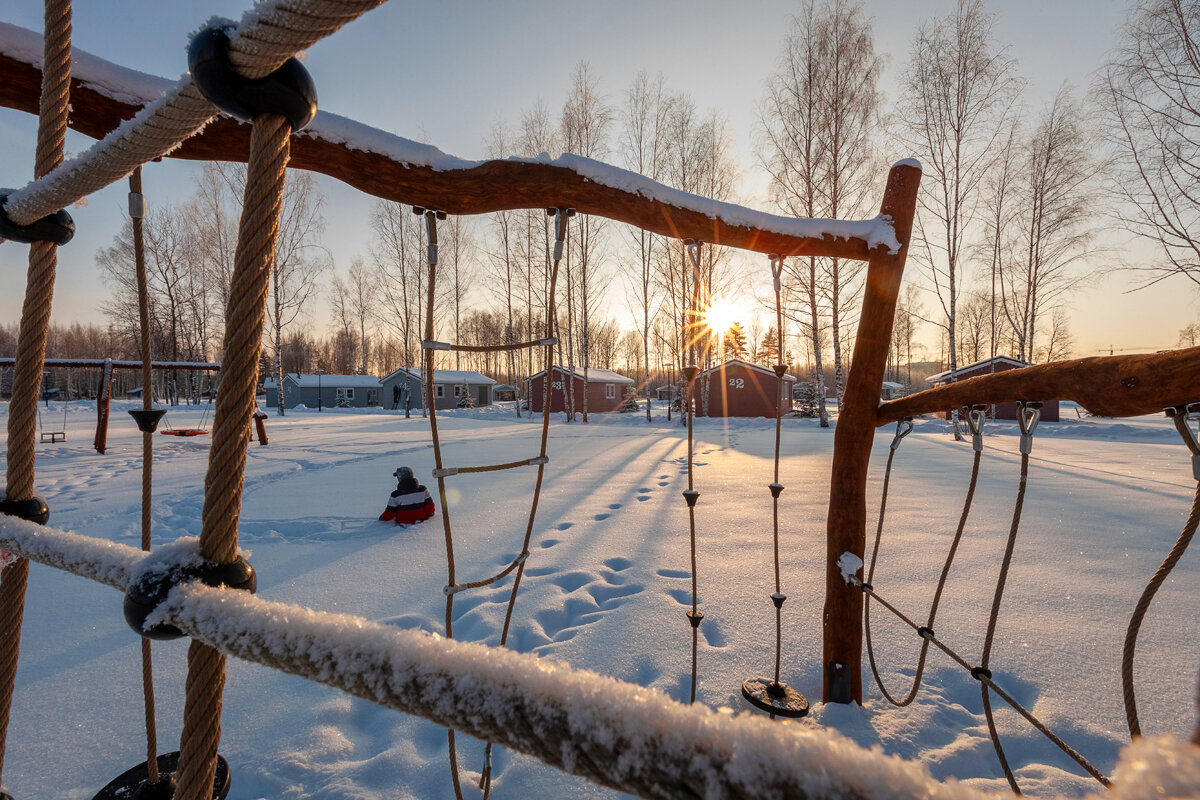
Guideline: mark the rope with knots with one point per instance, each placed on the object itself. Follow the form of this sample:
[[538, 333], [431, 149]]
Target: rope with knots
[[776, 697], [136, 210], [1182, 417], [975, 418], [31, 342], [695, 616]]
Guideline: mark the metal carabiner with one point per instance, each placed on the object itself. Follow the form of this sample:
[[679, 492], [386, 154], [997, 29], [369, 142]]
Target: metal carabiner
[[975, 419], [693, 250], [903, 428], [776, 270], [1183, 415], [1028, 414]]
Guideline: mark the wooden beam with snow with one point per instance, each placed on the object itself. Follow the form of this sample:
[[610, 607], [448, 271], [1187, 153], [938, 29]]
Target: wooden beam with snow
[[456, 186], [1108, 386]]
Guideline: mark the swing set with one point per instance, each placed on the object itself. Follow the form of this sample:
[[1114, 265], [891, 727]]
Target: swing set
[[400, 669]]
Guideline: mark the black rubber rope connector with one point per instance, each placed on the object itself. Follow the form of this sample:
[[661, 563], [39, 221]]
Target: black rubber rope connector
[[34, 509], [58, 227], [288, 91], [151, 588]]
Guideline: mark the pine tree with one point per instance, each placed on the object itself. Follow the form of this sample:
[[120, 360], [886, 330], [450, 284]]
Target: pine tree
[[768, 348], [735, 342]]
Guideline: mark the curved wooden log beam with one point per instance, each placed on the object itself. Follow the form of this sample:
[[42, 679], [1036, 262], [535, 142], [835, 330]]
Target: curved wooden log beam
[[1107, 386], [478, 188]]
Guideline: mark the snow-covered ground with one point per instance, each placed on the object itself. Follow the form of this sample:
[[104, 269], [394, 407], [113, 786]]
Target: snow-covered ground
[[607, 585]]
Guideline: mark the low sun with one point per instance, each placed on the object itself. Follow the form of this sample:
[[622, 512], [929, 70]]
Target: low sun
[[720, 315]]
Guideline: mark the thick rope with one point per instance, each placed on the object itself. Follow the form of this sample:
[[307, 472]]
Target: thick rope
[[244, 316], [139, 258], [1143, 605], [525, 462], [31, 342], [937, 595], [269, 36]]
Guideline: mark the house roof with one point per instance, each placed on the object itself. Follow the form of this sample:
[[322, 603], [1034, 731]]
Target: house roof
[[1009, 360], [757, 367], [444, 376], [307, 380], [594, 375]]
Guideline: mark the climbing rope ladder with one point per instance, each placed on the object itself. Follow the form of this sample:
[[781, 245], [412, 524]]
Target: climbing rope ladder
[[175, 592], [441, 472]]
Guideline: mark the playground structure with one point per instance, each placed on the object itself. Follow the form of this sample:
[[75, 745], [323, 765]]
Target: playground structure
[[1113, 386]]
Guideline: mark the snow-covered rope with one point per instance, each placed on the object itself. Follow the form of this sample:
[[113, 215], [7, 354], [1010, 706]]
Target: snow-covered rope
[[270, 33], [620, 735]]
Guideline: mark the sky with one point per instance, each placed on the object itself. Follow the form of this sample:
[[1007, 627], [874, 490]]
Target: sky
[[447, 73]]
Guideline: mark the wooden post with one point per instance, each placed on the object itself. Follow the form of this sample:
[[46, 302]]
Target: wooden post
[[846, 532], [102, 398], [260, 426]]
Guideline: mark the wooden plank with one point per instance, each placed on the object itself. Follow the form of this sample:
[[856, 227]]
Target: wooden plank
[[855, 432], [1108, 386], [489, 186]]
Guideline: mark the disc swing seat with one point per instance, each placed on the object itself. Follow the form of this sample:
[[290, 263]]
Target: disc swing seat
[[199, 430]]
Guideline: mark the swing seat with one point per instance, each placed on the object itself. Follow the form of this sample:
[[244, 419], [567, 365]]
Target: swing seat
[[54, 436], [130, 782], [184, 432], [774, 698]]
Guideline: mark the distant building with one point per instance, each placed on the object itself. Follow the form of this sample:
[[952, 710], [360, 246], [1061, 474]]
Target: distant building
[[449, 387], [890, 390], [336, 391], [502, 392], [985, 367], [740, 389], [606, 390]]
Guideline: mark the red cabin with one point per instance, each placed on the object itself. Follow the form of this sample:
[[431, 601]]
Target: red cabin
[[997, 364], [606, 390], [740, 389]]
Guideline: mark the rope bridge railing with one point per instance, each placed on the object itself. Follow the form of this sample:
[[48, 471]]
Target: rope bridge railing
[[616, 734]]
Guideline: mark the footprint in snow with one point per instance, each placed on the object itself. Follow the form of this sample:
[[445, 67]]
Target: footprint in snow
[[614, 506], [664, 483], [643, 498], [562, 526], [600, 517], [547, 543], [644, 489], [617, 564], [673, 573]]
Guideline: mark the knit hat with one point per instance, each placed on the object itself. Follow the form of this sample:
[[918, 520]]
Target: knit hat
[[404, 472]]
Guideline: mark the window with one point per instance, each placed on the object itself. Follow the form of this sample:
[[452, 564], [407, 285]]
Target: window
[[610, 391], [457, 391], [372, 397], [344, 393], [439, 390]]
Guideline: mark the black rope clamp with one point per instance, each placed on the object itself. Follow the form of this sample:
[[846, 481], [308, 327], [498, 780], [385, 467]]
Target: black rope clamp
[[57, 227], [1184, 416], [561, 215], [288, 91], [776, 270], [694, 617], [1028, 414], [925, 632], [903, 428], [775, 488], [151, 587], [976, 416], [34, 509], [693, 250], [691, 495], [778, 599], [981, 673]]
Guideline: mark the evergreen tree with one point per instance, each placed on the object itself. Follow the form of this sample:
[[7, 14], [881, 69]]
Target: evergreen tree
[[735, 342]]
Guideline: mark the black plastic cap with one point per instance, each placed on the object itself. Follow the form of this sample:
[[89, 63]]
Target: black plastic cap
[[980, 673], [58, 227], [34, 509], [288, 91], [147, 418], [694, 617], [148, 590]]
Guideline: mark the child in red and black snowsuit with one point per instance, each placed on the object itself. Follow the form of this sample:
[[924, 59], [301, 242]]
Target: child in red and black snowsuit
[[410, 503]]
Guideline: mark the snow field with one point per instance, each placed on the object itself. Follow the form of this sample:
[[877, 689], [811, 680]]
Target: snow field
[[607, 584]]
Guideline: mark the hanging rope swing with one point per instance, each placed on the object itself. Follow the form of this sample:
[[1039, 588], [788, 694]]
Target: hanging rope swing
[[774, 696]]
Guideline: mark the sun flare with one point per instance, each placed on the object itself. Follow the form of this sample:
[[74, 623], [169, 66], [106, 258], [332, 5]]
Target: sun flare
[[720, 315]]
